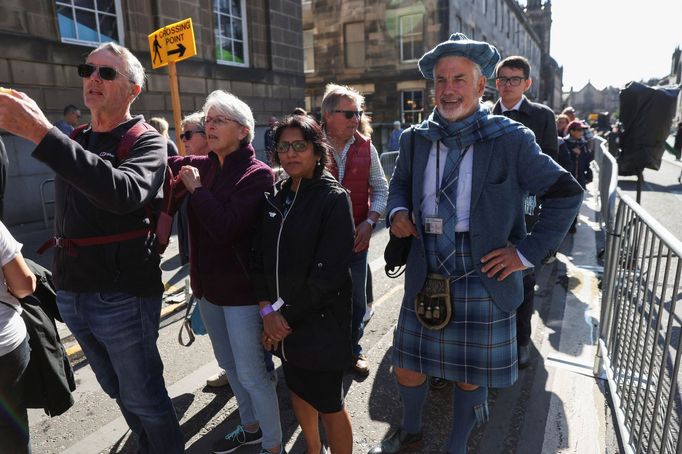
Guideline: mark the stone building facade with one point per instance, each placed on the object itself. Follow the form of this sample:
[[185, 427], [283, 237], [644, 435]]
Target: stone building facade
[[591, 100], [374, 45], [252, 48]]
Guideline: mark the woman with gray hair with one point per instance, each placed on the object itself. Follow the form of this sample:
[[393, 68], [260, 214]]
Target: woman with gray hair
[[226, 188]]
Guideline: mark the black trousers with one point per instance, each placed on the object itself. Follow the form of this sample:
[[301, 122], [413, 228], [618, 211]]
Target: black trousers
[[14, 437], [525, 311]]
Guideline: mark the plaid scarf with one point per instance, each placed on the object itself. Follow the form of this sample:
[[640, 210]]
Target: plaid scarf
[[477, 127]]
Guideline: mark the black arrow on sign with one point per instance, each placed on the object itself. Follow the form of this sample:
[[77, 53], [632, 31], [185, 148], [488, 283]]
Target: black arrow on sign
[[180, 50]]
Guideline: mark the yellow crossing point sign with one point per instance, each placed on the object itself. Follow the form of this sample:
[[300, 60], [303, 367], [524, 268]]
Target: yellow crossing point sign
[[172, 43]]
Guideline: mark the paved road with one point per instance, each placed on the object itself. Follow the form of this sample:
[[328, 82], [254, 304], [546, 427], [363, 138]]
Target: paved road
[[556, 406]]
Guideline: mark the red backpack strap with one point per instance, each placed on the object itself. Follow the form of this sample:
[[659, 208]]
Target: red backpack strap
[[129, 139], [77, 131]]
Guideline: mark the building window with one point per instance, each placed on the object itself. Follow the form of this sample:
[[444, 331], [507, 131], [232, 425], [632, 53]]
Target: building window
[[411, 37], [458, 23], [354, 39], [231, 37], [412, 107], [308, 50], [89, 22]]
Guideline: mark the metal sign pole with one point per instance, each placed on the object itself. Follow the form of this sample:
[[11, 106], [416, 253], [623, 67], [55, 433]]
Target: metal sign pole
[[175, 101]]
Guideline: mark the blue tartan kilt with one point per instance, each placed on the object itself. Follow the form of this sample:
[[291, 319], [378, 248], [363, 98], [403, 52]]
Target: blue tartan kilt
[[478, 346]]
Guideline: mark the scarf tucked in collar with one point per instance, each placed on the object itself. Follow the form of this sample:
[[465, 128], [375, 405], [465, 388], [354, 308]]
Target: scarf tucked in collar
[[458, 135]]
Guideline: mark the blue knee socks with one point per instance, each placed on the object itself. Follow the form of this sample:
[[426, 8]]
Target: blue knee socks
[[413, 398], [470, 407]]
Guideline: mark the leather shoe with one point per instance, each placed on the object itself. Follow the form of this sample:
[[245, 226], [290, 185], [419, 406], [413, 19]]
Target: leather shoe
[[361, 366], [524, 356], [396, 442]]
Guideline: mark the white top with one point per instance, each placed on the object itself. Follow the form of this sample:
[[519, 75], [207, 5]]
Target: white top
[[462, 205], [12, 328]]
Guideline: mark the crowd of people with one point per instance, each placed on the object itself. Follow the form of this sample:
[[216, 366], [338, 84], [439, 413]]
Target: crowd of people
[[280, 267]]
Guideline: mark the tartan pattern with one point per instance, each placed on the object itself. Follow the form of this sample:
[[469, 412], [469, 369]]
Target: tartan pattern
[[478, 346]]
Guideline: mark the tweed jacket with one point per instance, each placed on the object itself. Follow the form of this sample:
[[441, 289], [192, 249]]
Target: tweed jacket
[[504, 170]]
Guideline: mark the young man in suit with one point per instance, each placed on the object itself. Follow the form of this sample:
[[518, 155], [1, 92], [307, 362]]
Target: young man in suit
[[470, 172], [512, 81]]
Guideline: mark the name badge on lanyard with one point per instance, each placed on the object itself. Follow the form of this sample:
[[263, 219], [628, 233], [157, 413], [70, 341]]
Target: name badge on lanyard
[[433, 224]]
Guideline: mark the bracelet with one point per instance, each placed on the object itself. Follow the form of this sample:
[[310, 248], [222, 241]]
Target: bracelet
[[266, 310]]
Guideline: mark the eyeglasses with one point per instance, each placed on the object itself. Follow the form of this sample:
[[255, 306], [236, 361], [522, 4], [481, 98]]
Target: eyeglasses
[[299, 146], [219, 121], [86, 70], [187, 135], [350, 113], [513, 81]]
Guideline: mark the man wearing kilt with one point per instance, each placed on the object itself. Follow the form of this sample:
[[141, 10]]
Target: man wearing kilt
[[466, 172]]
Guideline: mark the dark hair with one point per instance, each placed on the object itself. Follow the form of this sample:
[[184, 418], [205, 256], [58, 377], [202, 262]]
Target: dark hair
[[310, 131], [515, 62], [70, 108]]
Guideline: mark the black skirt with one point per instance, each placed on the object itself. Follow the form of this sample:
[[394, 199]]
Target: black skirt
[[323, 390]]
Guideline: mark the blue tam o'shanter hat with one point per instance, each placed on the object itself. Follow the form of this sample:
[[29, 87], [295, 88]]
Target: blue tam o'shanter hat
[[483, 54]]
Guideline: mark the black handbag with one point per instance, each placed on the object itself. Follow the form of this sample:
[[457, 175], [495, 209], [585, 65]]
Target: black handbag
[[397, 249]]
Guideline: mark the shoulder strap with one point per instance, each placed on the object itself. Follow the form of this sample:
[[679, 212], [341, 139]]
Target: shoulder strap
[[77, 131], [129, 139]]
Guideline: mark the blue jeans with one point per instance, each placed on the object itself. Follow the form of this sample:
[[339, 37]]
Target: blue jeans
[[358, 271], [235, 333], [118, 333], [14, 436]]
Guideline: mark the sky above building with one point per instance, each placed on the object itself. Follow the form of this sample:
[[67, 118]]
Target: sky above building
[[612, 42]]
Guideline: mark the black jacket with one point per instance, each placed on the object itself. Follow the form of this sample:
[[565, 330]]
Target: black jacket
[[95, 196], [539, 119], [315, 249]]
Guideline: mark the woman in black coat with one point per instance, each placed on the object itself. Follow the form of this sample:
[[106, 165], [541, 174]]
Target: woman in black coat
[[303, 284]]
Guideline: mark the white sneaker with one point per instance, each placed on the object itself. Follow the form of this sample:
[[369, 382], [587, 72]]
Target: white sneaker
[[369, 313], [218, 380]]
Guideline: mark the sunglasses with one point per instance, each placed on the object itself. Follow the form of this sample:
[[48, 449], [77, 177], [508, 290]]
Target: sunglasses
[[350, 113], [187, 135], [86, 70], [299, 146], [513, 81]]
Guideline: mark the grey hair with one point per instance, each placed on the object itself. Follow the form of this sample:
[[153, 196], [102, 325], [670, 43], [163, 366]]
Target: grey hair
[[231, 106], [134, 69], [333, 94], [196, 118]]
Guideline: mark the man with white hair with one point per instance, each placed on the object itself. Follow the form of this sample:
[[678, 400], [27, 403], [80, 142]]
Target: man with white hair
[[106, 263], [469, 172], [357, 167]]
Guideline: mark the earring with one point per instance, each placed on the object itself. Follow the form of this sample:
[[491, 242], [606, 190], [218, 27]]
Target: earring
[[318, 163]]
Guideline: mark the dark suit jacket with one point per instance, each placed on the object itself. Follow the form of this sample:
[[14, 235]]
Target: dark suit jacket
[[539, 119]]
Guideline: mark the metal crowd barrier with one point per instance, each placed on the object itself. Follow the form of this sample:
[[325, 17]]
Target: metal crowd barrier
[[640, 340], [388, 159]]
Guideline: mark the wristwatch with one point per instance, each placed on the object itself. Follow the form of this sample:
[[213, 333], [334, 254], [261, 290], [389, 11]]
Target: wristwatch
[[370, 222]]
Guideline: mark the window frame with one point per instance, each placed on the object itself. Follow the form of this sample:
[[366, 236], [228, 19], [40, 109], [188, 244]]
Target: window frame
[[311, 48], [419, 112], [402, 36], [83, 42], [217, 33], [346, 44]]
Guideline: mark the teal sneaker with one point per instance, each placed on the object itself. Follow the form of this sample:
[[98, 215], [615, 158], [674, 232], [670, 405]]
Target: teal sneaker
[[236, 439]]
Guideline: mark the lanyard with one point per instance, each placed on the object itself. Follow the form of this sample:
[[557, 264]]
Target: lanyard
[[455, 171]]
